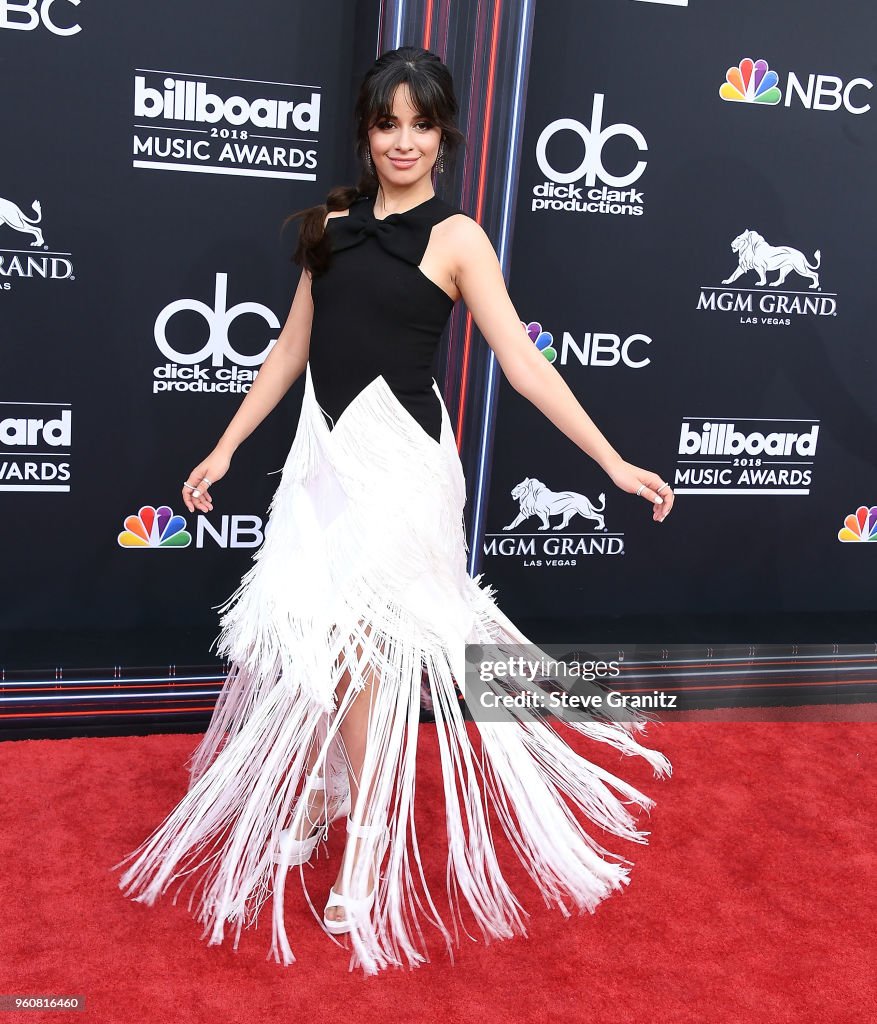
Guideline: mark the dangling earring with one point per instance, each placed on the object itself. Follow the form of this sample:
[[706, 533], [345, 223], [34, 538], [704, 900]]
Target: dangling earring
[[440, 162], [368, 160]]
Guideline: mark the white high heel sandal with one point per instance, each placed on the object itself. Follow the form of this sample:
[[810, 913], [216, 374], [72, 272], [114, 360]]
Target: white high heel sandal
[[358, 909], [299, 851]]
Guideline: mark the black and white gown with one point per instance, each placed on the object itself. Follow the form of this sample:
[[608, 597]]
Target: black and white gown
[[363, 567]]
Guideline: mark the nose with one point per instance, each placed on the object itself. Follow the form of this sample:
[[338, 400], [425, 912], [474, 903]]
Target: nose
[[405, 141]]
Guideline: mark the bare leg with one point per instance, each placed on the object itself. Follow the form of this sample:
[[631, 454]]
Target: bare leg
[[354, 734], [316, 809]]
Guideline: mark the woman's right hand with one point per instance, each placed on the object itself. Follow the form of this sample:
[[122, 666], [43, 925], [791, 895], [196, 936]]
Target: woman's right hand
[[202, 478]]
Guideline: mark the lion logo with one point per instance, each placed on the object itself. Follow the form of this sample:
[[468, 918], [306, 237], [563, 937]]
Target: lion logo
[[535, 499], [15, 217], [754, 253]]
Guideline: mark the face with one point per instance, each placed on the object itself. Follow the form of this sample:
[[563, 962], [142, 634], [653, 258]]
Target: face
[[404, 146]]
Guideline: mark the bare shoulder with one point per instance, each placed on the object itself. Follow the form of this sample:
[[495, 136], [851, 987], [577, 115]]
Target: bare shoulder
[[461, 224], [466, 238], [463, 231], [335, 213]]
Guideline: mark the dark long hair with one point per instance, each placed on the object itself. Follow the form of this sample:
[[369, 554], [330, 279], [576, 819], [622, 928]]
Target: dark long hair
[[432, 92]]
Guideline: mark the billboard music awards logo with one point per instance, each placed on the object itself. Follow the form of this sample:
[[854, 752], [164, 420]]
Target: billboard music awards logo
[[35, 261], [229, 371], [593, 350], [730, 455], [55, 16], [160, 529], [557, 518], [28, 433], [588, 186], [215, 125], [753, 82], [765, 302]]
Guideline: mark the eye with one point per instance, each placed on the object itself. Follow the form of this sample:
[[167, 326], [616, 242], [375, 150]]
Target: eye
[[387, 124]]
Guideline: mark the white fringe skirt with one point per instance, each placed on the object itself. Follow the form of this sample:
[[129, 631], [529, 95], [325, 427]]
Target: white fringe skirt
[[363, 571]]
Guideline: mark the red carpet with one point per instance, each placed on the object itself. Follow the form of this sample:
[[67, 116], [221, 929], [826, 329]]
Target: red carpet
[[754, 902]]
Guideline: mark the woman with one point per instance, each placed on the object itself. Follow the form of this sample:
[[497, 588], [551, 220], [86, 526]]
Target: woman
[[361, 585]]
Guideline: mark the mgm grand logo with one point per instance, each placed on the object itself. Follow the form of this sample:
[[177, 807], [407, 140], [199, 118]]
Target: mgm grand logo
[[25, 254], [774, 300], [545, 526]]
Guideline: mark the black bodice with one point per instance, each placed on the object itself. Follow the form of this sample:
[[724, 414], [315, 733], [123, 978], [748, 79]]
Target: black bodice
[[376, 313]]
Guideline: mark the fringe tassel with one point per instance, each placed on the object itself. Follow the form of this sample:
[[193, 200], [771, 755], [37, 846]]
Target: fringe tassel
[[362, 571]]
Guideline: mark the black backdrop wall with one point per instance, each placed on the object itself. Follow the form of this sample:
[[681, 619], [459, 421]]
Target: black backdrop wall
[[160, 225], [660, 327], [689, 240]]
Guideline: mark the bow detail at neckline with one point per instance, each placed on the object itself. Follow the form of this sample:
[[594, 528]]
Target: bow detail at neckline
[[404, 235]]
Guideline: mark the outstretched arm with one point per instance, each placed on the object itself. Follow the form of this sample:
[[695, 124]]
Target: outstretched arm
[[479, 278], [283, 365]]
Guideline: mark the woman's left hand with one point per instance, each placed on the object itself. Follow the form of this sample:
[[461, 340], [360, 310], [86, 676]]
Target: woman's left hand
[[632, 479]]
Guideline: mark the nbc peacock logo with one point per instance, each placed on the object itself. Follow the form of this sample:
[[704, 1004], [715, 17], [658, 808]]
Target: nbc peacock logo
[[751, 81], [859, 526], [155, 528], [543, 340]]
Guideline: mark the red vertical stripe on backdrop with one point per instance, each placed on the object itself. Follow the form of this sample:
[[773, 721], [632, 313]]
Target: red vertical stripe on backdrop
[[427, 24], [479, 199]]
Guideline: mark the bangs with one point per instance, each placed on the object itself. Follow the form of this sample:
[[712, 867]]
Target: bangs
[[425, 97]]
